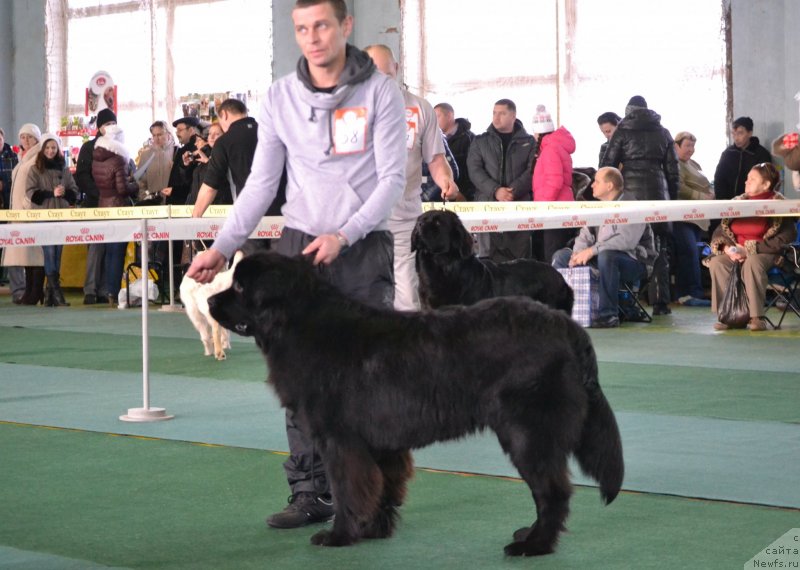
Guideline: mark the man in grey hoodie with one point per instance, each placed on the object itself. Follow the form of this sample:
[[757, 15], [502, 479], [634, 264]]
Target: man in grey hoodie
[[339, 125], [621, 253]]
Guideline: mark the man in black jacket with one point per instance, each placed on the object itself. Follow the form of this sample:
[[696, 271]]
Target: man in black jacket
[[646, 151], [232, 156], [737, 160], [94, 281], [459, 139], [500, 163]]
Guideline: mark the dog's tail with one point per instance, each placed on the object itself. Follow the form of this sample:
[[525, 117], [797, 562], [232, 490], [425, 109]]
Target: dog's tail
[[599, 452]]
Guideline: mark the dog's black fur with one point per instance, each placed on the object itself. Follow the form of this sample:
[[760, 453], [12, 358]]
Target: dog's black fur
[[369, 385], [451, 274]]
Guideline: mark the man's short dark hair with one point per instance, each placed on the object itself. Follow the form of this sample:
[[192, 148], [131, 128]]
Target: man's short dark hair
[[609, 117], [339, 6], [508, 103], [232, 106], [447, 107], [745, 122]]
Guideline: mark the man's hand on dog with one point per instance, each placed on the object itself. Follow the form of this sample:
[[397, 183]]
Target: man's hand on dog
[[206, 265], [327, 248]]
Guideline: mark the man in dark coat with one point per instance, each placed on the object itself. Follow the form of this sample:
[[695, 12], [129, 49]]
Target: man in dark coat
[[500, 163], [737, 160], [180, 177], [646, 151], [459, 138]]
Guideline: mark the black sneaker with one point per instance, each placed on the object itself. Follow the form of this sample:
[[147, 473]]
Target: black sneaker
[[661, 309], [89, 299], [605, 323], [303, 509]]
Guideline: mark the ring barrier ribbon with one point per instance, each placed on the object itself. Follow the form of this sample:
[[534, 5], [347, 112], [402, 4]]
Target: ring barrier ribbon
[[108, 225]]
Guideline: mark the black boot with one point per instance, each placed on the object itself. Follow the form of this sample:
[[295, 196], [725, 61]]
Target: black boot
[[26, 296], [58, 294], [49, 300], [34, 286]]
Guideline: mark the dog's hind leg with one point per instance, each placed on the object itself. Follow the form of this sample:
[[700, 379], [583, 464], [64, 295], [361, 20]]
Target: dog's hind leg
[[543, 466], [356, 485], [397, 469]]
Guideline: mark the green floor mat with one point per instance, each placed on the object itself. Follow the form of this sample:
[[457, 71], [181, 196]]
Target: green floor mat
[[137, 503]]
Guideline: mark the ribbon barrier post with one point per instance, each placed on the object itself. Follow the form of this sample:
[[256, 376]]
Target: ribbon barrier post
[[145, 413]]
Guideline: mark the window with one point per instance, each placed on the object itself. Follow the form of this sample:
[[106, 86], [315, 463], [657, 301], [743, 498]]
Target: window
[[579, 58], [156, 51]]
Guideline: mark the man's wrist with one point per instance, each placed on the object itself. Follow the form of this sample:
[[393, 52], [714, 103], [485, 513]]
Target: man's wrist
[[343, 241]]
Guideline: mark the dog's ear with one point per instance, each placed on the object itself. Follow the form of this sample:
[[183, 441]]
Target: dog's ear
[[462, 239], [415, 237]]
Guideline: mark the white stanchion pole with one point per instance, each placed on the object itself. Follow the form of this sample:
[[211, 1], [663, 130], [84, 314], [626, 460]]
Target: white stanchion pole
[[145, 413], [172, 307]]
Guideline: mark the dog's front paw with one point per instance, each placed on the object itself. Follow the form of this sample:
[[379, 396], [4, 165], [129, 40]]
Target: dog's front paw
[[330, 538], [526, 549], [520, 535], [220, 355]]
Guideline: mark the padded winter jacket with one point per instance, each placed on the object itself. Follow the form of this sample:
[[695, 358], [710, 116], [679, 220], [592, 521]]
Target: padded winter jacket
[[552, 175], [110, 170], [734, 165], [647, 154], [489, 168]]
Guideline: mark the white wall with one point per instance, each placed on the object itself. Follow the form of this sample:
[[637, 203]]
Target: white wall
[[22, 65]]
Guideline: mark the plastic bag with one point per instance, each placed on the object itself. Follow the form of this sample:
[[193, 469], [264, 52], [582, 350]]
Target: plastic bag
[[136, 294], [734, 310]]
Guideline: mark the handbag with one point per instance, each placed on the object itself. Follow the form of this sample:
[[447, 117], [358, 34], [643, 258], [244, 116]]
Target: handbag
[[734, 309]]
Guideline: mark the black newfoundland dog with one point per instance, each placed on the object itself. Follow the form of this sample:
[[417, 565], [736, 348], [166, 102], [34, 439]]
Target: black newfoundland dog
[[370, 385], [451, 274]]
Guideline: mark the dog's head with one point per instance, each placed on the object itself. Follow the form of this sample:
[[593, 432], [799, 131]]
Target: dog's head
[[441, 232], [266, 285]]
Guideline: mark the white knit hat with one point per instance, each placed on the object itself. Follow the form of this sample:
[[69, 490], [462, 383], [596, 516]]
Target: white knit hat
[[542, 121], [31, 129]]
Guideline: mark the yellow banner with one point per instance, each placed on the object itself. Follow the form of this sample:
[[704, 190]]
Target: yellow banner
[[130, 213]]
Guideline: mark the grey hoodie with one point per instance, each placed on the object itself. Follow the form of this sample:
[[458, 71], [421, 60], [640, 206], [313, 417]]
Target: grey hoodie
[[338, 181]]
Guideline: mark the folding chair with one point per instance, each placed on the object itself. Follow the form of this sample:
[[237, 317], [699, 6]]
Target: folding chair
[[630, 307], [784, 282]]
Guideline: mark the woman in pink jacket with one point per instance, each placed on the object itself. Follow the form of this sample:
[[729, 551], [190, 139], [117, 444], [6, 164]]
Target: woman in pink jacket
[[552, 175]]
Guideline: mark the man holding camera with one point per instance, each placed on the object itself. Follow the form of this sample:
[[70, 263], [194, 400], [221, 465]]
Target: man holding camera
[[232, 156], [180, 177]]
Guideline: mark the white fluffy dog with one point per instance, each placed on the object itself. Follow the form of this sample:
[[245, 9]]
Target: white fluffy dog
[[195, 298]]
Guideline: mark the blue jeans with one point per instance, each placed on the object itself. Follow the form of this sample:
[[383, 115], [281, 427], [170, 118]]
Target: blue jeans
[[687, 260], [52, 258], [614, 267], [115, 265]]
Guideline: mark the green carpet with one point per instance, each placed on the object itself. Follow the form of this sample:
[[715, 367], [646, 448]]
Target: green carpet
[[137, 503]]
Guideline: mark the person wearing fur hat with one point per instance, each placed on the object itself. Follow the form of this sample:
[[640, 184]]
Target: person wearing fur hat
[[111, 171], [51, 186], [552, 174], [650, 169], [27, 285], [94, 282]]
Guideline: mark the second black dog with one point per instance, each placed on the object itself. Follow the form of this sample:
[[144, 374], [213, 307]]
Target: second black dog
[[451, 274]]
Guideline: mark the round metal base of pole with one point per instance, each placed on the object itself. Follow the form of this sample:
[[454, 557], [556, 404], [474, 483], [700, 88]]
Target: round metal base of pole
[[171, 309], [146, 415]]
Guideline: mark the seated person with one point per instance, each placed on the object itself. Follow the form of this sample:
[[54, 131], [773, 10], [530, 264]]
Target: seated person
[[756, 243], [694, 186], [620, 252]]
